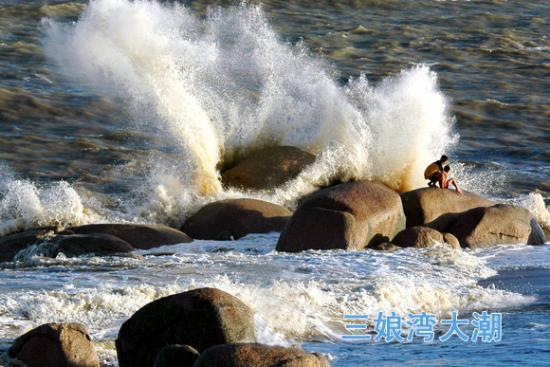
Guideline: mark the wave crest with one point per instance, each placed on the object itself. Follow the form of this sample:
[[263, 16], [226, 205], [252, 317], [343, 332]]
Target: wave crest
[[227, 84]]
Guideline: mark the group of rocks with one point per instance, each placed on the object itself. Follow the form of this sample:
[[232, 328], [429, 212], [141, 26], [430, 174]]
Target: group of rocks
[[97, 239], [203, 327], [365, 214], [354, 215]]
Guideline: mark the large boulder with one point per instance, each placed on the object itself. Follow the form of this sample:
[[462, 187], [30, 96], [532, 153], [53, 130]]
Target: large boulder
[[99, 244], [347, 216], [235, 218], [431, 206], [176, 356], [55, 345], [499, 224], [421, 237], [258, 355], [140, 236], [200, 318], [12, 244], [268, 168]]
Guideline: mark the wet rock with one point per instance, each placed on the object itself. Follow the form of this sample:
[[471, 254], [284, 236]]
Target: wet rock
[[418, 237], [99, 244], [235, 218], [347, 216], [176, 356], [432, 206], [55, 345], [451, 240], [384, 246], [360, 30], [11, 244], [199, 318], [139, 236], [422, 237], [268, 168], [258, 355], [496, 225]]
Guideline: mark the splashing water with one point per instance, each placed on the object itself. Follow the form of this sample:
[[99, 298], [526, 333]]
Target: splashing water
[[226, 84], [24, 204], [534, 202]]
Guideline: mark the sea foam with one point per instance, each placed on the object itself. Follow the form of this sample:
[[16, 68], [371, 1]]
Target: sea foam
[[294, 297]]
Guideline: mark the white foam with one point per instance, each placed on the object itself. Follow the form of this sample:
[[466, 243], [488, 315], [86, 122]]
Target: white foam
[[534, 202], [294, 297], [25, 204]]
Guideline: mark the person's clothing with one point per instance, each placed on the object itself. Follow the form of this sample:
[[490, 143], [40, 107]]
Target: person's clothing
[[433, 169]]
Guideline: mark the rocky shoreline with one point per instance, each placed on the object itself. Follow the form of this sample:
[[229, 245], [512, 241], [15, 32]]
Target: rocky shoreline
[[208, 327], [203, 327], [352, 216]]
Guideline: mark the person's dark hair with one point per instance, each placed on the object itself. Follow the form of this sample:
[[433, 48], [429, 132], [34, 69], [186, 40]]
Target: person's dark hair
[[444, 158], [447, 168]]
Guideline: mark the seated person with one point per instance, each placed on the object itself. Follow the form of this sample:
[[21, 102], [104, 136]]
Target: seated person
[[434, 171], [445, 181]]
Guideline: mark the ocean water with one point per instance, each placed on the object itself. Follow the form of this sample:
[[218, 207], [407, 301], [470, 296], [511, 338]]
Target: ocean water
[[117, 110]]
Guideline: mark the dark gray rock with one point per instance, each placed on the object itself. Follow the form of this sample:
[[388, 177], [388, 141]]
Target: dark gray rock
[[176, 356], [55, 345], [11, 244], [200, 318], [235, 218], [99, 244], [139, 236]]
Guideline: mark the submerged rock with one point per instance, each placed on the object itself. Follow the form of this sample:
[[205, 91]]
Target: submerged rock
[[268, 168], [12, 244], [55, 345], [139, 236], [431, 206], [99, 244], [421, 237], [235, 218], [176, 356], [259, 355], [200, 318], [360, 30], [384, 246], [347, 216], [496, 225]]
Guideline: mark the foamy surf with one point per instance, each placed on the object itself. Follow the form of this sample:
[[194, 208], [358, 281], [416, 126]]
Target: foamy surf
[[294, 297], [24, 204]]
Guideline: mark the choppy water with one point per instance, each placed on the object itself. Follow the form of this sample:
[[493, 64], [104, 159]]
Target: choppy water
[[300, 298], [121, 110]]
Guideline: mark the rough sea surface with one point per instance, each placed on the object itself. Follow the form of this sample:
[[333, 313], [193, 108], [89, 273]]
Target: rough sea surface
[[117, 110]]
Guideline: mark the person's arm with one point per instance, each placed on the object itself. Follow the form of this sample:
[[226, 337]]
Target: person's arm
[[455, 184]]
